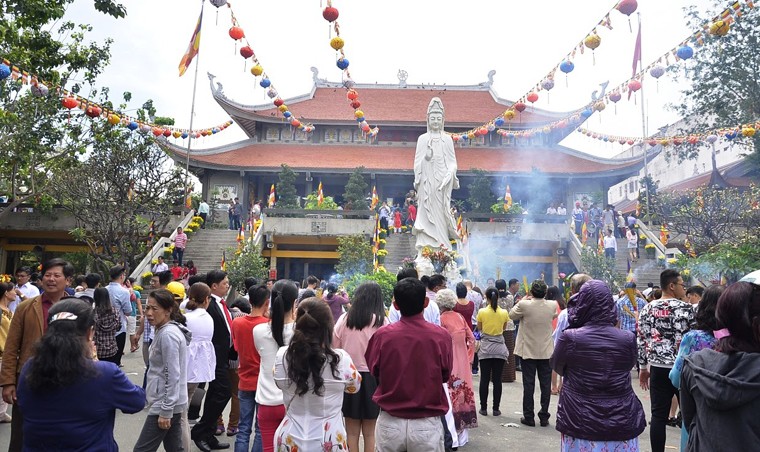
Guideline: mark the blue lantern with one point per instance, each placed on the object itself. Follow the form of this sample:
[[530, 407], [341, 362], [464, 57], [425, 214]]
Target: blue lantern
[[731, 135], [215, 130], [586, 113], [287, 114], [342, 63], [5, 71], [132, 125], [184, 135], [265, 83], [566, 66], [685, 52], [499, 121]]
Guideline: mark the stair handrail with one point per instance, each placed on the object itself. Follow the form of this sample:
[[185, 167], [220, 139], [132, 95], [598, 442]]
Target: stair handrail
[[577, 246], [158, 248], [655, 240]]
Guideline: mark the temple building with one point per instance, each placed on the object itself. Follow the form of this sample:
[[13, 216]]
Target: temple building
[[523, 154]]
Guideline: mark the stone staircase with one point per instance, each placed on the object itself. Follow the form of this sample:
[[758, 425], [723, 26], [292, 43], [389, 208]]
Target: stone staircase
[[399, 246], [645, 269], [205, 247]]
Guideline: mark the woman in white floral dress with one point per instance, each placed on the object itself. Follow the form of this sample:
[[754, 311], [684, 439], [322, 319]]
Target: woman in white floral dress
[[313, 378]]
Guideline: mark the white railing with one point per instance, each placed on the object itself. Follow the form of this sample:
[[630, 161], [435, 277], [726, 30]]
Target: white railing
[[655, 240], [158, 249], [575, 248]]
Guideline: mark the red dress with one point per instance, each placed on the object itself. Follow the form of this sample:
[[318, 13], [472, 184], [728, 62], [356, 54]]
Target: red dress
[[397, 219]]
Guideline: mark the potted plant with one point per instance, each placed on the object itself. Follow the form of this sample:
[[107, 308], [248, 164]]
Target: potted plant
[[650, 250]]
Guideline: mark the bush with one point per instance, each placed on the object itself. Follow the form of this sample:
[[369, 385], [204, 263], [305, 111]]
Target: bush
[[245, 263], [355, 255], [312, 202], [386, 281]]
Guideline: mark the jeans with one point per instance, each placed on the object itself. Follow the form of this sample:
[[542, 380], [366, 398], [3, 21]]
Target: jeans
[[152, 436], [529, 369], [203, 215], [662, 392], [247, 416], [609, 253], [177, 254], [490, 371]]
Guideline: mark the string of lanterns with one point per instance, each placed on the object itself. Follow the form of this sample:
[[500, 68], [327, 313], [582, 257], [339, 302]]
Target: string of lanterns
[[237, 33], [591, 42], [330, 14], [746, 130], [93, 110]]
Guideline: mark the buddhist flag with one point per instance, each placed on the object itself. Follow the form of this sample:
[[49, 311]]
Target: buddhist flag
[[459, 226], [525, 284], [241, 234], [630, 277], [638, 209], [636, 57], [224, 262], [320, 196], [601, 243], [507, 199], [270, 202], [375, 199], [584, 233], [193, 47], [189, 200]]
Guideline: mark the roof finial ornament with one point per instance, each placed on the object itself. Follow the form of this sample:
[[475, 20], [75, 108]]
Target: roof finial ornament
[[219, 88], [491, 73], [594, 96], [315, 75], [402, 76]]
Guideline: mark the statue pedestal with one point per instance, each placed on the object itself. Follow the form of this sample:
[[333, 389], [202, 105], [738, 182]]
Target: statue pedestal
[[450, 272]]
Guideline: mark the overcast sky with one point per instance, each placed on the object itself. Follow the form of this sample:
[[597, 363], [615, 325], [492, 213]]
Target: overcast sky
[[434, 41]]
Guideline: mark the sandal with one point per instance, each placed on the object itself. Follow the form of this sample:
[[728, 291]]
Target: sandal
[[219, 430], [232, 431]]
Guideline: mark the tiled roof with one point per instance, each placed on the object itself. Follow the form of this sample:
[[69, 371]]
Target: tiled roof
[[268, 157], [399, 106]]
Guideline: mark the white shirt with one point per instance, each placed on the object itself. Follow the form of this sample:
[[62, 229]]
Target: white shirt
[[610, 242], [267, 392], [201, 357], [216, 299], [431, 313], [203, 207], [29, 290], [158, 268], [561, 211], [551, 211]]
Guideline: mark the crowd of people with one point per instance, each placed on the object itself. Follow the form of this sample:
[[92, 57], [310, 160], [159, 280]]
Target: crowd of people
[[314, 373]]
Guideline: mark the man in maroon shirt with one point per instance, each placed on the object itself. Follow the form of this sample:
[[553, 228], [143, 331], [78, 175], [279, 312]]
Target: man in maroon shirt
[[411, 359]]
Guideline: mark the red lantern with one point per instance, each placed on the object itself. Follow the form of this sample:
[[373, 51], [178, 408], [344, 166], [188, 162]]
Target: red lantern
[[652, 143], [278, 102], [156, 131], [365, 128], [634, 85], [352, 94], [627, 7], [532, 97], [356, 104], [237, 33], [455, 138], [482, 131], [520, 106], [70, 102], [167, 133], [630, 142], [246, 52], [93, 111], [678, 141], [295, 123], [330, 14]]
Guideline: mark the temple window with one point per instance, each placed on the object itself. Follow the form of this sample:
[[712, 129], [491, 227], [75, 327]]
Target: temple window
[[273, 133]]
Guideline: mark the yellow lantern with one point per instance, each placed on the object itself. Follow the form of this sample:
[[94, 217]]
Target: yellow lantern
[[283, 108], [748, 131], [720, 28], [337, 43], [359, 114], [176, 134], [509, 115], [592, 41], [113, 119], [257, 70]]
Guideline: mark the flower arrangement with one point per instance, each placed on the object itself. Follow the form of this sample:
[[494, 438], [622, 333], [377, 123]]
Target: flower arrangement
[[147, 275], [407, 262], [137, 287], [193, 226], [382, 253], [672, 261], [649, 246], [170, 247], [197, 219], [685, 272], [440, 258], [6, 278], [382, 233], [188, 231], [381, 243]]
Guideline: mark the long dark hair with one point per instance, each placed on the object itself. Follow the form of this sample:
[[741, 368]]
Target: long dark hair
[[739, 311], [366, 302], [63, 355], [553, 293], [166, 300], [501, 286], [284, 294], [102, 301], [705, 316], [310, 349], [492, 295]]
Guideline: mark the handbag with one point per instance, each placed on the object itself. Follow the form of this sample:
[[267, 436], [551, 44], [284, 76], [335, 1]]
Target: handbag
[[477, 335]]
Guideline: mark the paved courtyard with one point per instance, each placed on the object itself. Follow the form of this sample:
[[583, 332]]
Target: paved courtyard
[[492, 434]]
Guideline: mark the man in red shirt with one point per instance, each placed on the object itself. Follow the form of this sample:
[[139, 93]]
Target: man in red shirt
[[177, 272], [401, 356], [250, 361], [412, 216]]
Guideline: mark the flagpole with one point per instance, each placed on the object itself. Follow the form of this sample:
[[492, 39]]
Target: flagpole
[[192, 116], [644, 132]]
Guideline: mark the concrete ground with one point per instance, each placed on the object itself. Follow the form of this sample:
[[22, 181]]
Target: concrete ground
[[492, 433]]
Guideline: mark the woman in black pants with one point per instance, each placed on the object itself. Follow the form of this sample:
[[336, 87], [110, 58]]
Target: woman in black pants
[[492, 320]]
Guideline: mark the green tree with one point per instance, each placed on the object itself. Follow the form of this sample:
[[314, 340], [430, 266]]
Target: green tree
[[599, 267], [39, 138], [732, 260], [287, 196], [723, 77], [481, 197], [123, 183], [387, 282], [245, 263], [355, 196], [355, 255]]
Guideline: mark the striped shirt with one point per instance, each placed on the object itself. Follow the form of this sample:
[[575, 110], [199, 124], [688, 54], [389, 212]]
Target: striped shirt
[[180, 241]]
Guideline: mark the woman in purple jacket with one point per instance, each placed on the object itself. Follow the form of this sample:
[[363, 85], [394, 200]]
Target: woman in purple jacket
[[597, 408]]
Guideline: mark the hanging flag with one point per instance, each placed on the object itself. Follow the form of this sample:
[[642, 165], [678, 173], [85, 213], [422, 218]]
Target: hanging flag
[[525, 284], [241, 234], [270, 202], [193, 47], [320, 196], [507, 199], [224, 262], [601, 242], [636, 57], [584, 233], [638, 208], [375, 199], [459, 226], [189, 200], [629, 276]]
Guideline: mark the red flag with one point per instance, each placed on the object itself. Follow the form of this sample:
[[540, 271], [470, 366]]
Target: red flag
[[636, 57], [193, 47]]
